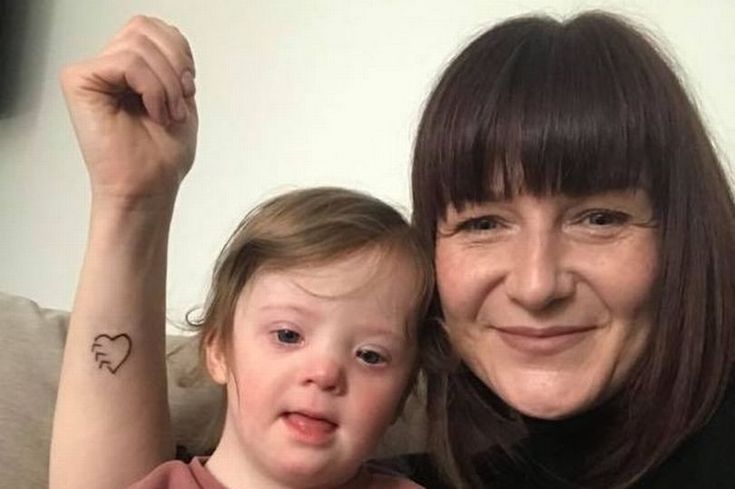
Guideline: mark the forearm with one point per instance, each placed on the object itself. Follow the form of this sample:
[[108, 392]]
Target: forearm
[[112, 410], [135, 118]]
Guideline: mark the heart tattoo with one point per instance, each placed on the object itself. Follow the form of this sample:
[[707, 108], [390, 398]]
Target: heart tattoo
[[111, 351]]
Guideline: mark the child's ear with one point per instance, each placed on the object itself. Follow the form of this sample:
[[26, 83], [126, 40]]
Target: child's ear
[[216, 358]]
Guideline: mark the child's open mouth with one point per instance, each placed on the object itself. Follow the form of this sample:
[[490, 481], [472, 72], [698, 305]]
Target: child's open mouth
[[310, 428]]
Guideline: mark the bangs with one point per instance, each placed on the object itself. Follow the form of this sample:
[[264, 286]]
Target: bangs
[[544, 107], [589, 105]]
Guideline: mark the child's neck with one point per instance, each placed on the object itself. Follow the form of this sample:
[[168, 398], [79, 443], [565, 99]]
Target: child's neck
[[234, 469]]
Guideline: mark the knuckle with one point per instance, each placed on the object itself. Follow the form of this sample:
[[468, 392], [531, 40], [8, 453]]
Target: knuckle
[[189, 54], [138, 21], [131, 60], [132, 32], [139, 41], [175, 91]]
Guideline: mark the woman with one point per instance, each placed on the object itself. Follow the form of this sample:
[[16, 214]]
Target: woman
[[583, 232]]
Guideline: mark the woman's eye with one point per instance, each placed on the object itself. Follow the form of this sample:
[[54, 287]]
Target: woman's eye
[[484, 223], [601, 223], [370, 357], [605, 218], [288, 336]]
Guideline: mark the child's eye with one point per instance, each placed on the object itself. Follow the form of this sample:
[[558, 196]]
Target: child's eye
[[371, 357], [287, 336]]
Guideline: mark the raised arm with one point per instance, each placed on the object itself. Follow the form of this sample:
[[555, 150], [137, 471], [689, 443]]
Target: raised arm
[[134, 115]]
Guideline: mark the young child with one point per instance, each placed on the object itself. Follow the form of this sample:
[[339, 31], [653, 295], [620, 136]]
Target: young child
[[312, 323]]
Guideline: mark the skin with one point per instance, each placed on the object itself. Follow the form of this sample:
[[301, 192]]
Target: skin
[[547, 298], [135, 118], [316, 372]]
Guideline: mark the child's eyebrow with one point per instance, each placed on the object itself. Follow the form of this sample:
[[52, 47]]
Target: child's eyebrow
[[377, 330], [288, 307]]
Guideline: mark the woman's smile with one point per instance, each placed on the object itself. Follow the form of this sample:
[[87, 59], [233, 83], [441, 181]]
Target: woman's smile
[[543, 340]]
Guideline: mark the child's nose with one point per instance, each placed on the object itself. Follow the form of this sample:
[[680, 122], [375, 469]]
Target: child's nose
[[326, 373]]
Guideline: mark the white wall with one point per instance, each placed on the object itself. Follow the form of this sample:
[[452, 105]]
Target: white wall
[[291, 93]]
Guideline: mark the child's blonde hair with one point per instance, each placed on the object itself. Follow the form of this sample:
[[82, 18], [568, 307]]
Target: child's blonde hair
[[307, 227]]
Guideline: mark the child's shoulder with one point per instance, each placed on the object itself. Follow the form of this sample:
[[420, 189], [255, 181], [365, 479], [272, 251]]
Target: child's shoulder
[[179, 475]]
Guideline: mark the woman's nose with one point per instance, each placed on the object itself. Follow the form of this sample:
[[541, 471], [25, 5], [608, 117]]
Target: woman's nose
[[538, 276], [325, 372]]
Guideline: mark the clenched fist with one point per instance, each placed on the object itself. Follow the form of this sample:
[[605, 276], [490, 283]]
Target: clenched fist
[[134, 112]]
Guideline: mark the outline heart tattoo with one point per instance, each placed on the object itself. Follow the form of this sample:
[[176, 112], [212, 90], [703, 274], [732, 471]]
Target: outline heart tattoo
[[111, 351]]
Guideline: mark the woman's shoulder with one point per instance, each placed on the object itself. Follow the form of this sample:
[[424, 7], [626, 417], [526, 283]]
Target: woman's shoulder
[[179, 475], [418, 467], [380, 478], [706, 459]]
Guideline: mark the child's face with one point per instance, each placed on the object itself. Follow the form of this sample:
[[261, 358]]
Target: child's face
[[318, 366]]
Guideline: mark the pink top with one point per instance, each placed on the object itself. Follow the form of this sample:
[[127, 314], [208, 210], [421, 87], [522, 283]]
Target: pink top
[[178, 475]]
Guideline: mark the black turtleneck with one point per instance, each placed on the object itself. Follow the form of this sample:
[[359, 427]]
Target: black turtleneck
[[555, 451]]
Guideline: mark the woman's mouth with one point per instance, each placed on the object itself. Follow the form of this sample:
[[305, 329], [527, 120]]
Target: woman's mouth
[[543, 341]]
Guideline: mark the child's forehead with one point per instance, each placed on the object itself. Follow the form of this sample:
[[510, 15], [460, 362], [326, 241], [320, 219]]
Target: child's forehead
[[355, 274], [367, 287]]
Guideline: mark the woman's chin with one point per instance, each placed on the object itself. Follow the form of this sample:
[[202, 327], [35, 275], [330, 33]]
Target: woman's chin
[[550, 402], [547, 410]]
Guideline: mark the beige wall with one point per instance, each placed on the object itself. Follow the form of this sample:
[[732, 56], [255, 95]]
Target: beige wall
[[291, 93]]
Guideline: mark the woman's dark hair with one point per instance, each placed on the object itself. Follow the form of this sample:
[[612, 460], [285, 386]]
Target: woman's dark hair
[[578, 107]]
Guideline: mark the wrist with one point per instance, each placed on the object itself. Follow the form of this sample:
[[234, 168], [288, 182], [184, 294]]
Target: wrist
[[161, 203], [128, 221]]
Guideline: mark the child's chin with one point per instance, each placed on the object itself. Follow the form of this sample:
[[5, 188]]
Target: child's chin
[[308, 470]]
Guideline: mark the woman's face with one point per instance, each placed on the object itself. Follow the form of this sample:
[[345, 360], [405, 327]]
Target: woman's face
[[547, 299]]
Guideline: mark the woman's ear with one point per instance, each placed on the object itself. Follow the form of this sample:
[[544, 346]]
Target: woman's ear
[[216, 358]]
